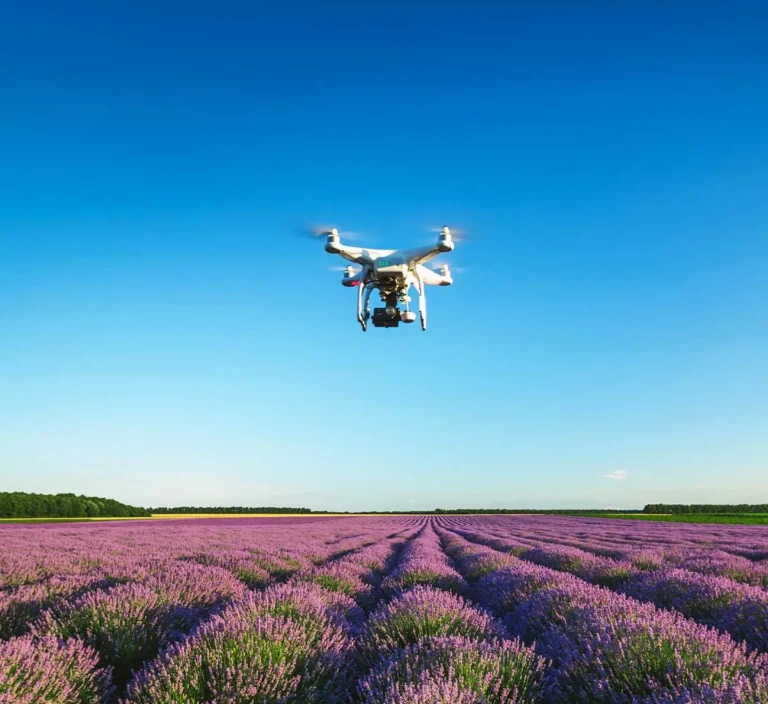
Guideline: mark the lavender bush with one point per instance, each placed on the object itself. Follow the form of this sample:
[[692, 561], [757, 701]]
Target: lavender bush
[[719, 602], [237, 659], [426, 612], [502, 672], [50, 670], [126, 626], [307, 603], [615, 653], [21, 606]]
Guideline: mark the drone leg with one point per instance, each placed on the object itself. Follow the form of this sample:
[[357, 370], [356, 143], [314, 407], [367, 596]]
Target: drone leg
[[360, 318], [421, 288], [366, 299]]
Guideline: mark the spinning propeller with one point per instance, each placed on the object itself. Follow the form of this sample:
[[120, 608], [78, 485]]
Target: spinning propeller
[[353, 269], [444, 267], [458, 234], [314, 231]]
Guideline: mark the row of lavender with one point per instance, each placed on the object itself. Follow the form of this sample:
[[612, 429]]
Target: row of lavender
[[603, 646], [82, 611], [731, 607], [420, 643], [738, 552], [584, 642]]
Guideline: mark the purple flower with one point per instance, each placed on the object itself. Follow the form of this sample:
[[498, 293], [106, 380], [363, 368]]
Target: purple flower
[[126, 626], [21, 606], [618, 652], [50, 670], [425, 612], [719, 602], [423, 562], [241, 657], [504, 590], [429, 671], [742, 690], [341, 577], [304, 602]]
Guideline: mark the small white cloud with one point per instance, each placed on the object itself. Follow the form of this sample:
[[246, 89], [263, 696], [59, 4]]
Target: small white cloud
[[617, 475]]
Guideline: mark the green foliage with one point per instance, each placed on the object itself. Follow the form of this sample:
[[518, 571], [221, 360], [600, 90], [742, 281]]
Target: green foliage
[[711, 509], [733, 519], [19, 504], [227, 509]]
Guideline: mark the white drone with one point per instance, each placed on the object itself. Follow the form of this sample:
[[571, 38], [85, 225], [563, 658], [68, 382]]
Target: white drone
[[392, 272]]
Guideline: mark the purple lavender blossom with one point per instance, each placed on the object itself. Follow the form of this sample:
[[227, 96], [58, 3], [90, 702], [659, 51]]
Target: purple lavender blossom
[[424, 562], [426, 612], [742, 690], [126, 626], [341, 577], [591, 568], [50, 670], [428, 688], [304, 602], [21, 606], [239, 659], [426, 672], [618, 653], [504, 590], [719, 602]]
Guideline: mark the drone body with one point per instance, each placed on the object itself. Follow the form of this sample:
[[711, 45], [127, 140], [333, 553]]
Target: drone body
[[392, 272]]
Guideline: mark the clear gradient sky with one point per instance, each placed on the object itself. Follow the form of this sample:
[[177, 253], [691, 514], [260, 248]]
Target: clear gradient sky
[[165, 338]]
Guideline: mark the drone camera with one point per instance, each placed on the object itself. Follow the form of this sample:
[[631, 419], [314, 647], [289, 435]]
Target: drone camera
[[388, 317]]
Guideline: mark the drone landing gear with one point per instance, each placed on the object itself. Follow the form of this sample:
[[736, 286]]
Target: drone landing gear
[[363, 309], [420, 289]]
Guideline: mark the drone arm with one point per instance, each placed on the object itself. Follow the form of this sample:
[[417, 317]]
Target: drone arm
[[433, 278], [423, 254], [356, 255]]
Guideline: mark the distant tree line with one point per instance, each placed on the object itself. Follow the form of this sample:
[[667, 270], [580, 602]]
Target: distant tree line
[[446, 511], [545, 511], [649, 508], [19, 504], [438, 511], [228, 509], [705, 508]]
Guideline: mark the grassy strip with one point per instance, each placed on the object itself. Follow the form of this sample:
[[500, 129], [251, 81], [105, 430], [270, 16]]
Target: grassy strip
[[747, 519]]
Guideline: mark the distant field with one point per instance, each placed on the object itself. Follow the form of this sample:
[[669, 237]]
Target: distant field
[[163, 516], [747, 519], [246, 515]]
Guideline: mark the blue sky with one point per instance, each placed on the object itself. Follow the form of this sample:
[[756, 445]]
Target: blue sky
[[166, 338]]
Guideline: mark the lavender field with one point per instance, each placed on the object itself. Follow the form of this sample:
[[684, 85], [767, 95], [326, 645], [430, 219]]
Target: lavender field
[[392, 610]]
